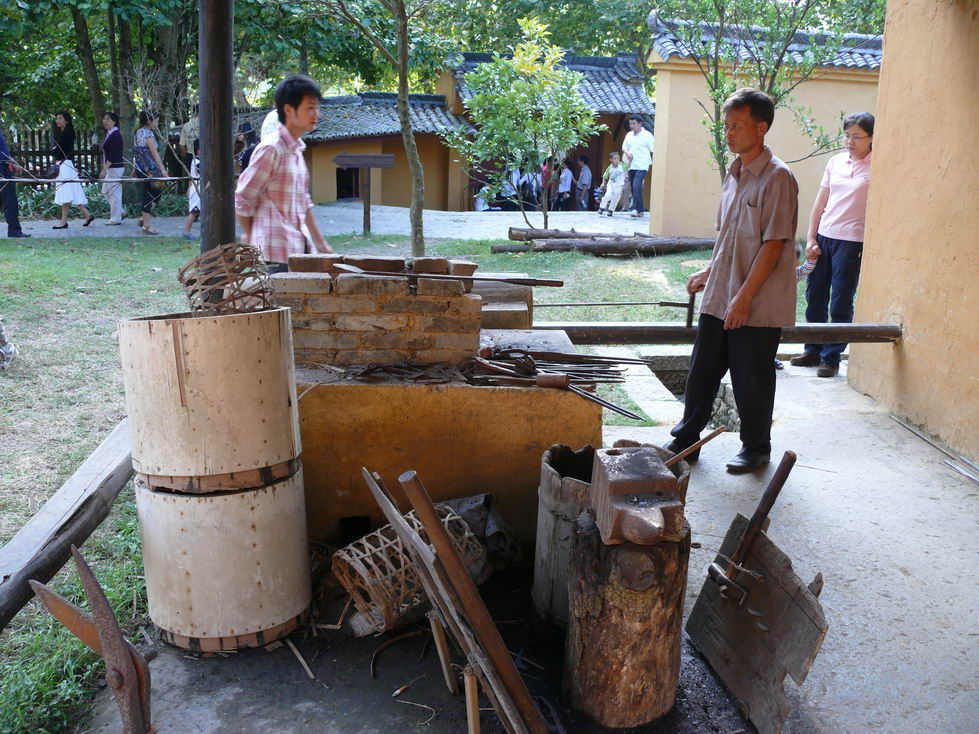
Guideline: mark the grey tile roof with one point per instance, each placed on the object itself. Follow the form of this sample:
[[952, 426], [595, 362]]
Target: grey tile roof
[[857, 51], [369, 114], [611, 84]]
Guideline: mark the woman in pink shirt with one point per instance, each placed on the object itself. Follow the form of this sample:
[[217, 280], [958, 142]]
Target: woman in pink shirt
[[836, 238]]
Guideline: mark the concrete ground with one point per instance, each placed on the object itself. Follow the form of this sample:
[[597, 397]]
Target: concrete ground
[[346, 217], [869, 504]]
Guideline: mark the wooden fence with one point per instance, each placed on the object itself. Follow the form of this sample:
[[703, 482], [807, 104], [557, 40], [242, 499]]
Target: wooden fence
[[32, 149]]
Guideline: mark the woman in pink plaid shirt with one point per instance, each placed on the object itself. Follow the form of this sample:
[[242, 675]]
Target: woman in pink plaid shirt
[[272, 200]]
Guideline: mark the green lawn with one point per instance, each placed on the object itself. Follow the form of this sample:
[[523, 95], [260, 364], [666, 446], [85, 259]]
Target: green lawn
[[61, 301]]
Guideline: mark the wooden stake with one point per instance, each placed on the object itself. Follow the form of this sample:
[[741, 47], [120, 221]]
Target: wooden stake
[[442, 647], [472, 699]]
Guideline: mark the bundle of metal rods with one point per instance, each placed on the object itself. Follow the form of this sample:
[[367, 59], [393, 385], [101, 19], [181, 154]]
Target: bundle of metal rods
[[578, 373]]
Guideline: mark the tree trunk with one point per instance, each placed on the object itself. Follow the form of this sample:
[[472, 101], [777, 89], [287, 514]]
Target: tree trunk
[[303, 57], [613, 246], [127, 104], [116, 83], [411, 149], [83, 45], [622, 655]]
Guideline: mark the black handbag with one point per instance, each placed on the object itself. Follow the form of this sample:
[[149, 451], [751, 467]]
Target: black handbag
[[52, 171]]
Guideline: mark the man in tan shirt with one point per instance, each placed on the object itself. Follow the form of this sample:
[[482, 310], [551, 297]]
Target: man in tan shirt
[[749, 286]]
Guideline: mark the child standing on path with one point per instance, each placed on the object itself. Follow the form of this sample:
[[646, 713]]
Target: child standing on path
[[193, 193], [614, 181]]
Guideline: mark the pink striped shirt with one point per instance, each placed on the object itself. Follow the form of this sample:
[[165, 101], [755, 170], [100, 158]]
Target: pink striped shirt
[[846, 208], [274, 191]]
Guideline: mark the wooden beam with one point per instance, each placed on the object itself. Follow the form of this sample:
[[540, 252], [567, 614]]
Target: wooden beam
[[41, 547], [364, 160], [611, 245], [604, 332], [216, 19]]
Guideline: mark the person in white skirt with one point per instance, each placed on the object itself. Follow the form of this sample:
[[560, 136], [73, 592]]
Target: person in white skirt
[[70, 192], [193, 193]]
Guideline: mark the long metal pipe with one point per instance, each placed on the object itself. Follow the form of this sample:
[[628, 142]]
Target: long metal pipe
[[606, 332]]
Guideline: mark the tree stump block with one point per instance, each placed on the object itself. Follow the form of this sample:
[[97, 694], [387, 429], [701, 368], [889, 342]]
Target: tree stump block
[[622, 654]]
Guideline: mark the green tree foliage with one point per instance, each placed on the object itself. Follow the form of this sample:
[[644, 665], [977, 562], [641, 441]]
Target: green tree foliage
[[526, 108]]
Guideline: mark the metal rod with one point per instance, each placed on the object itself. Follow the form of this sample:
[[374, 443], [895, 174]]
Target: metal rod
[[922, 436], [961, 470], [674, 304], [610, 332]]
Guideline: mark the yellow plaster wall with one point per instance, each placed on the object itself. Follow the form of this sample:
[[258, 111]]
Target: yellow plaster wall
[[685, 189], [397, 181], [323, 172], [462, 440], [920, 263]]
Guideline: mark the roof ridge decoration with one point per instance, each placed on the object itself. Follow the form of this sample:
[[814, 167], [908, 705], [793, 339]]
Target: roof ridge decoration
[[858, 50]]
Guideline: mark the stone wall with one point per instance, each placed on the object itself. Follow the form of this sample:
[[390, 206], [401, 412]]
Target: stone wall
[[351, 319]]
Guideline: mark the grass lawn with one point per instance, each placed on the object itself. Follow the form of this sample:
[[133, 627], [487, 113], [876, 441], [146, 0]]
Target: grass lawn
[[61, 300]]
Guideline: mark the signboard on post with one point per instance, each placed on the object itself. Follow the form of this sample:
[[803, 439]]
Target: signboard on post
[[365, 163]]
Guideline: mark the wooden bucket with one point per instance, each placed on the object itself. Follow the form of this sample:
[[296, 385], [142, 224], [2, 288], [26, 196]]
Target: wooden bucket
[[211, 399], [226, 570], [565, 481]]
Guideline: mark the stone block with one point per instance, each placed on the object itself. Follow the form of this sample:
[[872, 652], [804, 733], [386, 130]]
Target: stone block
[[466, 342], [302, 283], [431, 287], [372, 322], [415, 304], [462, 267], [351, 284], [442, 356], [403, 339], [513, 315], [468, 324], [297, 303], [468, 305], [369, 356], [308, 356], [341, 304], [313, 324], [376, 262], [327, 339], [314, 262], [435, 265]]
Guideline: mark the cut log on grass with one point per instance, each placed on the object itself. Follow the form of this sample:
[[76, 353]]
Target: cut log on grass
[[611, 245], [522, 234], [622, 653], [41, 547]]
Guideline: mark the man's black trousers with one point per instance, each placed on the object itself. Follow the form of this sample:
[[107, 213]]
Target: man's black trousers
[[749, 353]]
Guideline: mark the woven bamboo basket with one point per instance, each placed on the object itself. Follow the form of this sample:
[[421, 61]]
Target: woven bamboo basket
[[381, 577]]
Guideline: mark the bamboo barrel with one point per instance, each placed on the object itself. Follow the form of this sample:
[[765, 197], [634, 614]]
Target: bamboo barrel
[[211, 399], [226, 570], [565, 482]]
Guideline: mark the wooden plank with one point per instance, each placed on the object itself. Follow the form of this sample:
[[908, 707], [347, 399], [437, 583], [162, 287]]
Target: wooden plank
[[41, 547], [364, 160], [443, 600], [752, 663], [611, 245], [670, 332], [473, 607]]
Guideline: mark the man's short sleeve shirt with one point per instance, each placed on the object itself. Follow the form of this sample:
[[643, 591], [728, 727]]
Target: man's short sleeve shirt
[[759, 202]]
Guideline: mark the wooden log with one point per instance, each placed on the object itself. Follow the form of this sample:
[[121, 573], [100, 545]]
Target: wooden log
[[41, 547], [610, 332], [611, 245], [524, 234], [622, 652]]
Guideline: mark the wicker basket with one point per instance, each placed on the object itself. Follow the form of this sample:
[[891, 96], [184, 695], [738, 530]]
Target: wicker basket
[[232, 278], [381, 577]]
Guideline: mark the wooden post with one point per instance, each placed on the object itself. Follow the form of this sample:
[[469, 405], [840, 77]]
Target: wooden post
[[216, 19], [365, 195], [445, 657], [622, 653]]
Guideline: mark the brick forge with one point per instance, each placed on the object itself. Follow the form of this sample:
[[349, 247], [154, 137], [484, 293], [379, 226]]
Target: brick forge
[[346, 319]]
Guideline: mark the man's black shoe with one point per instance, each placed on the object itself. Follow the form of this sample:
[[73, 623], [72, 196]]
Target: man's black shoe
[[676, 447], [18, 234], [827, 370], [747, 461], [806, 359]]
